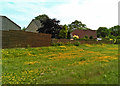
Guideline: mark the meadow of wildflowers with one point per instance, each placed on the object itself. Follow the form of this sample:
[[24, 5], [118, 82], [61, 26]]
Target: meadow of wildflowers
[[84, 64]]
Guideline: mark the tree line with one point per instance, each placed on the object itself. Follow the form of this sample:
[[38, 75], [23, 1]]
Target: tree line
[[53, 27]]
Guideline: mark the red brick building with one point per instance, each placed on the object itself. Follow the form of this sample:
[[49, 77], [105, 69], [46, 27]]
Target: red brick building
[[83, 33]]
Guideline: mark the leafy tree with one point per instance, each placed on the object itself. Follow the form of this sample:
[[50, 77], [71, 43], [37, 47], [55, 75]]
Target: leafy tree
[[115, 30], [102, 31], [63, 32], [24, 28], [50, 26], [42, 17], [76, 25]]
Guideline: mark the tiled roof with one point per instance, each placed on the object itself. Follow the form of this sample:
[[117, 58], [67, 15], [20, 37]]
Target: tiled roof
[[83, 33]]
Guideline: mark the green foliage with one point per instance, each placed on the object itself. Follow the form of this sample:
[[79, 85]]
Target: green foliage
[[86, 37], [24, 28], [77, 43], [68, 35], [28, 46], [63, 32], [115, 30], [76, 25], [91, 37], [61, 64], [102, 31], [112, 37], [42, 17], [69, 44], [118, 37], [57, 44], [116, 41]]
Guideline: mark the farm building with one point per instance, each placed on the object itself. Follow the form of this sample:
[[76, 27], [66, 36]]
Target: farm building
[[34, 26], [83, 33], [7, 24]]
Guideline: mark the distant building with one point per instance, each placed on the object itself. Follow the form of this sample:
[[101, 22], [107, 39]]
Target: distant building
[[34, 26], [83, 33], [7, 24]]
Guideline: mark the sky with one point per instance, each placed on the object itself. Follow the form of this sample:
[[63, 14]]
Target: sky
[[93, 13]]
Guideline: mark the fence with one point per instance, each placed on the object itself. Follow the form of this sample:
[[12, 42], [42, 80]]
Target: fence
[[18, 38], [81, 41]]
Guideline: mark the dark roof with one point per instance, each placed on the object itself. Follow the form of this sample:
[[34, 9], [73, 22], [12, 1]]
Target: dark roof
[[11, 21], [83, 33]]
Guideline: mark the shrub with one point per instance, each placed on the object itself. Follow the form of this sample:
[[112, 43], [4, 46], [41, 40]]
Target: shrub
[[60, 43], [86, 37], [116, 41], [53, 44], [118, 37], [77, 43], [69, 44], [28, 46], [57, 44], [91, 37]]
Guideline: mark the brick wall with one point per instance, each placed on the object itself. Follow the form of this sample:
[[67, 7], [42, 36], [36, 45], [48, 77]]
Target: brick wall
[[15, 38], [81, 41]]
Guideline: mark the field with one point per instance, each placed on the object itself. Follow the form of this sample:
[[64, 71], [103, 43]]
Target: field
[[84, 64]]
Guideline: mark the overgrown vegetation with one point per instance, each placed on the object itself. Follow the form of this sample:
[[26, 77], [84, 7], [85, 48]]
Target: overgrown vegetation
[[83, 64]]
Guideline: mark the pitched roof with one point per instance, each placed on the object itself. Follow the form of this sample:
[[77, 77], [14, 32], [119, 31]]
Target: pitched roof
[[83, 33], [37, 23], [10, 20]]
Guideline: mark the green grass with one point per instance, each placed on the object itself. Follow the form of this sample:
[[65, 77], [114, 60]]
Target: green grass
[[84, 64]]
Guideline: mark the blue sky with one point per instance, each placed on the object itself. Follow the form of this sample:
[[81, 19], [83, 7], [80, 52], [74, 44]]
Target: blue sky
[[93, 13]]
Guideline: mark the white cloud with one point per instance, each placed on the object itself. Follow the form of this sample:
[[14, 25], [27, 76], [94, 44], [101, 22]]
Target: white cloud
[[93, 13]]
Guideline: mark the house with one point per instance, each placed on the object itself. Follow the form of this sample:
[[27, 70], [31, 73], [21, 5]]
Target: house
[[6, 24], [83, 33], [34, 26]]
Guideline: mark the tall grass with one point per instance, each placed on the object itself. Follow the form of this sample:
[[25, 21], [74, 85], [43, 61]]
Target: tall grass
[[83, 64]]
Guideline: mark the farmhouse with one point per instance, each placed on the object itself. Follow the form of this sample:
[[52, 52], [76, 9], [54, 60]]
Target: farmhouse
[[6, 24], [34, 26], [83, 33]]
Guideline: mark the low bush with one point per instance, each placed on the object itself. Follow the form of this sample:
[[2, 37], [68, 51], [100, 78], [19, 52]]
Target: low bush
[[69, 44], [28, 46], [91, 37], [77, 43], [116, 41], [118, 37], [86, 37], [57, 44]]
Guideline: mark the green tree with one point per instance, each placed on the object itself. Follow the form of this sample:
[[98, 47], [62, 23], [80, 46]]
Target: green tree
[[42, 17], [103, 32], [115, 30], [24, 28], [63, 32], [76, 25]]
